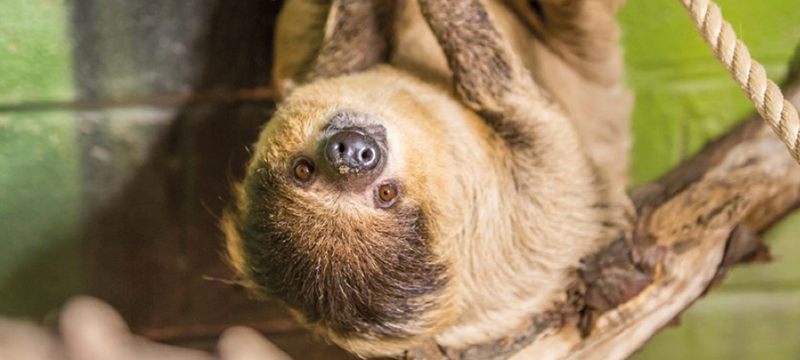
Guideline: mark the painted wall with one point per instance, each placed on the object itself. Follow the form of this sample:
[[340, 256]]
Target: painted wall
[[39, 182]]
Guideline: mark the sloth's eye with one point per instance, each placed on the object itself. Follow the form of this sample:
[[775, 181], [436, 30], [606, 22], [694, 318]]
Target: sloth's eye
[[386, 194], [303, 170]]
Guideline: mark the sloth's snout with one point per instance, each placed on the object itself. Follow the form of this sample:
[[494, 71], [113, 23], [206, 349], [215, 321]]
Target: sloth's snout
[[351, 152]]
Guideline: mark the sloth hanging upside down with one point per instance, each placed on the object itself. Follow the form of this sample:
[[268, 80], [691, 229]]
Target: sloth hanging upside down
[[436, 169]]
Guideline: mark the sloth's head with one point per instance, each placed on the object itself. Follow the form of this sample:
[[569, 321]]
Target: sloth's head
[[339, 213]]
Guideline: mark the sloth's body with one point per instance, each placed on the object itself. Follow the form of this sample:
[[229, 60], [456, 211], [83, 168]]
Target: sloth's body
[[493, 192]]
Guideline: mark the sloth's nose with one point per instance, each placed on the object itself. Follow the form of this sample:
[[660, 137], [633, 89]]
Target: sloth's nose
[[351, 152]]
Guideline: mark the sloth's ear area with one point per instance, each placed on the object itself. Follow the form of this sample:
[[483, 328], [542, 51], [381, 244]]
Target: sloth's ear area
[[357, 37]]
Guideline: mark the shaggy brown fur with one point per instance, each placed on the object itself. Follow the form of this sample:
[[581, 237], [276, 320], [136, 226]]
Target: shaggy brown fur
[[503, 184]]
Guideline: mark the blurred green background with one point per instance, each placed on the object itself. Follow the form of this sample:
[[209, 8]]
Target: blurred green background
[[684, 98], [39, 177]]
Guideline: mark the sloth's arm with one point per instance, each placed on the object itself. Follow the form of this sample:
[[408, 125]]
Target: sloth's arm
[[488, 76], [324, 38], [583, 32], [356, 37]]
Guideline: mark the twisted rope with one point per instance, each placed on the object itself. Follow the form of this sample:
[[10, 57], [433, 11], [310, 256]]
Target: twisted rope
[[748, 73]]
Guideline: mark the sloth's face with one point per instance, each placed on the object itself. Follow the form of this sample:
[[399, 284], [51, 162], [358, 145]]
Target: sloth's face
[[337, 213]]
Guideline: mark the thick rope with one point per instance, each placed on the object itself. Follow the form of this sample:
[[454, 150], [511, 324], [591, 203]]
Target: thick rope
[[751, 76]]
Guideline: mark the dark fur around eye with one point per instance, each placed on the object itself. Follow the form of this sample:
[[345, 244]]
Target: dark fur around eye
[[361, 281]]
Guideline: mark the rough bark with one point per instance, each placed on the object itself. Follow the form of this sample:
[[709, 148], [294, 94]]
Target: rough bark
[[692, 226]]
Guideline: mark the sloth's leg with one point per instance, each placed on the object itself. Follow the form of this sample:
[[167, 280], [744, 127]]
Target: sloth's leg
[[324, 38], [489, 77], [543, 144], [583, 32], [583, 35], [356, 38]]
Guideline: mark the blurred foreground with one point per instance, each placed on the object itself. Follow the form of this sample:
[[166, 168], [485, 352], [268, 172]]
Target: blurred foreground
[[90, 329]]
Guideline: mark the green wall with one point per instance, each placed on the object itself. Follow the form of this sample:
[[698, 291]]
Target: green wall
[[684, 98], [39, 179]]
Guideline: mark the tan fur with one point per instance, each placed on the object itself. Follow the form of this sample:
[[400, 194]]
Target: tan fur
[[508, 222], [300, 24]]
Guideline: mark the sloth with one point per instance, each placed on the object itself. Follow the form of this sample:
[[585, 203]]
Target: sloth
[[435, 170]]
